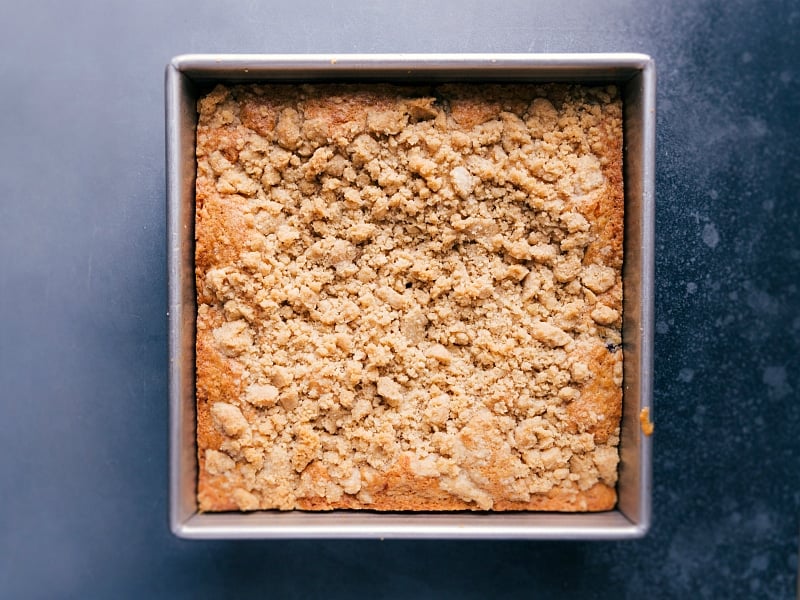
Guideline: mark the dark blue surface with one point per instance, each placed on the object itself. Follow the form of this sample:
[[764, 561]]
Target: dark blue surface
[[83, 403]]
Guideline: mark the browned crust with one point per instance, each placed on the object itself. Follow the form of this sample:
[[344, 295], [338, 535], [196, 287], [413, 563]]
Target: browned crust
[[221, 223], [218, 379], [222, 234], [401, 490], [601, 397], [607, 214]]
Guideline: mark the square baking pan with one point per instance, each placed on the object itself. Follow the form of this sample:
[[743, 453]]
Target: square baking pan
[[189, 76]]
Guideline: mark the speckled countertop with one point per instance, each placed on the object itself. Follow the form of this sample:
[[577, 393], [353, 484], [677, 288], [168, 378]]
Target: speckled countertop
[[83, 377]]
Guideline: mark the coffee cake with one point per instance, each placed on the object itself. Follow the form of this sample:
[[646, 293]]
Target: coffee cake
[[409, 298]]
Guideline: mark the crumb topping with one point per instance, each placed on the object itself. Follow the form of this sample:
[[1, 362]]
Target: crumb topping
[[408, 293]]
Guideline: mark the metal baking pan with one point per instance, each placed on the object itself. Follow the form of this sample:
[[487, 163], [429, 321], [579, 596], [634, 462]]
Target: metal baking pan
[[190, 75]]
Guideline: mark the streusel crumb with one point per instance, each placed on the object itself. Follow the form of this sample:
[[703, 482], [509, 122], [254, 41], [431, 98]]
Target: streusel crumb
[[409, 298]]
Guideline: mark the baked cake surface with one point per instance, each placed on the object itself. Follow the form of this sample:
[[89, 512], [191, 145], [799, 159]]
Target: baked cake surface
[[409, 298]]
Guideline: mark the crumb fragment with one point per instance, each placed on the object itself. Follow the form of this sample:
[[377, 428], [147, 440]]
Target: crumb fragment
[[262, 396], [229, 419], [440, 353], [233, 337], [598, 278], [645, 422], [218, 463], [549, 334], [245, 500], [462, 181], [390, 390], [604, 315]]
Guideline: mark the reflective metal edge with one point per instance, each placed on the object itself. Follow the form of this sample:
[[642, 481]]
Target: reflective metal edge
[[180, 123], [646, 375], [602, 526], [635, 73], [429, 67], [634, 486]]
